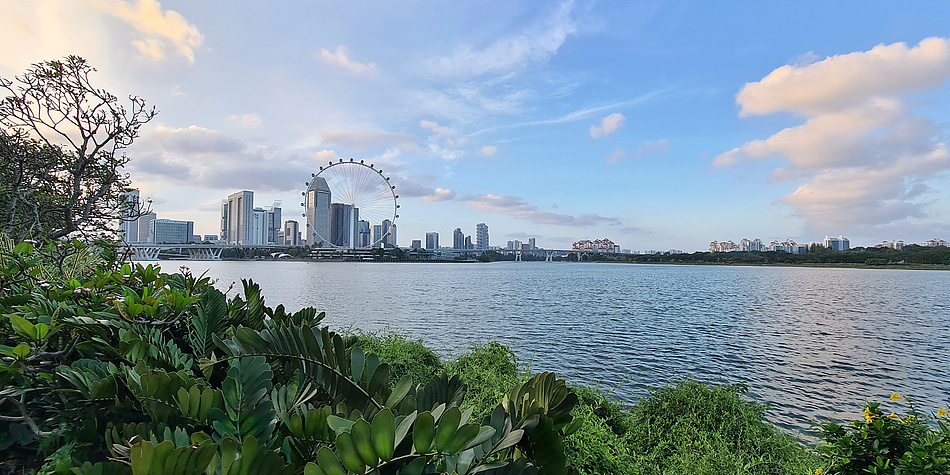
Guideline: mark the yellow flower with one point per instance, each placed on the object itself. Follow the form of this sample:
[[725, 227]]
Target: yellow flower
[[895, 397], [893, 416], [941, 412], [819, 471]]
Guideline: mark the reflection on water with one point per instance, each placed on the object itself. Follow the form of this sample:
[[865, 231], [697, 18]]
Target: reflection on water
[[811, 342]]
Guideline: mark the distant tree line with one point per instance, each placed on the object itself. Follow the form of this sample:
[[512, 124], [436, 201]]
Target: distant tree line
[[817, 254]]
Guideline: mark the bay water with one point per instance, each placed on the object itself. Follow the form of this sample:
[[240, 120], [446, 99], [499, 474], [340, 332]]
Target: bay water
[[810, 342]]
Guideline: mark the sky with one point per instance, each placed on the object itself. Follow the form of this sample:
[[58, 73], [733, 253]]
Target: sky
[[657, 124]]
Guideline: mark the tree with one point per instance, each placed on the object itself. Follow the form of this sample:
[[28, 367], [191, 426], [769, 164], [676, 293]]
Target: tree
[[62, 145]]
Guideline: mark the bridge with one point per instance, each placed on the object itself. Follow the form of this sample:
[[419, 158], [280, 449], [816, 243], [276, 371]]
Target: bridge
[[518, 253], [195, 251]]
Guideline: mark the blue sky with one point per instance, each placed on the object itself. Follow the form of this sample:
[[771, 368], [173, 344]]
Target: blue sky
[[657, 124]]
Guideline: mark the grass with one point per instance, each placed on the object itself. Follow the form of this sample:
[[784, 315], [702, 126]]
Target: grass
[[685, 428]]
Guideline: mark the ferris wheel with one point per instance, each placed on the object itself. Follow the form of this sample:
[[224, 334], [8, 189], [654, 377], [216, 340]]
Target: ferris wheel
[[350, 204]]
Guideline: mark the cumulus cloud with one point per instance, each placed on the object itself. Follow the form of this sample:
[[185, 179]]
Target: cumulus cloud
[[439, 194], [325, 156], [519, 208], [161, 30], [246, 121], [862, 156], [436, 128], [535, 44], [489, 150], [366, 139], [206, 158], [338, 58], [608, 125], [848, 80]]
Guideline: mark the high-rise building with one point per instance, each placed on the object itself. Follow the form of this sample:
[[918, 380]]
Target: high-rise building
[[170, 231], [417, 243], [468, 243], [355, 227], [363, 230], [241, 218], [259, 228], [839, 243], [377, 235], [223, 235], [317, 205], [341, 224], [481, 236], [432, 241], [392, 235], [458, 239], [387, 233], [145, 227], [130, 216], [273, 223], [291, 233], [532, 243]]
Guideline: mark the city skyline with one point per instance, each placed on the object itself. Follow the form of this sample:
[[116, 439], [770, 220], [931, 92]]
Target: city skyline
[[658, 124]]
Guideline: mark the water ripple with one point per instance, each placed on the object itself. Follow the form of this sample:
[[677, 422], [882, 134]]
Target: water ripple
[[812, 343]]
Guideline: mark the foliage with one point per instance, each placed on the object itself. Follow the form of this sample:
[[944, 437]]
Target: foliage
[[490, 370], [61, 152], [887, 443], [692, 428], [403, 355], [817, 255], [126, 369]]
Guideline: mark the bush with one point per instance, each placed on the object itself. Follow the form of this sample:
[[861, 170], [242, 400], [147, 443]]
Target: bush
[[600, 445], [887, 444], [403, 355], [692, 428], [490, 370]]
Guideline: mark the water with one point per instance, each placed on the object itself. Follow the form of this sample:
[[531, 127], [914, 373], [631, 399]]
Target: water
[[811, 342]]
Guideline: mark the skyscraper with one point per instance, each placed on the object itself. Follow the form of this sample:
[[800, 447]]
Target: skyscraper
[[481, 236], [388, 233], [241, 218], [317, 205], [458, 239], [145, 226], [272, 220], [341, 224], [363, 230], [291, 233], [432, 241]]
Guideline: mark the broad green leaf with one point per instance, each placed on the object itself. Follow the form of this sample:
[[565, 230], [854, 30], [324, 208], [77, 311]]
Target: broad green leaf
[[348, 455], [448, 425], [21, 351], [362, 437], [339, 424], [23, 327], [400, 391], [384, 434], [329, 463], [462, 438], [423, 431]]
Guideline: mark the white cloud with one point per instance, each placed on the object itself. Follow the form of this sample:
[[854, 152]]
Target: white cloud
[[325, 156], [489, 150], [246, 121], [439, 194], [849, 80], [656, 146], [608, 125], [535, 44], [339, 58], [434, 127], [862, 157], [160, 29]]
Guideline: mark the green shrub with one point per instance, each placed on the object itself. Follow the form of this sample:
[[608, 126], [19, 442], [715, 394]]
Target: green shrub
[[694, 428], [599, 447], [490, 370], [403, 355], [887, 444]]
